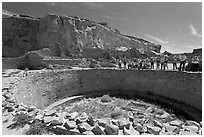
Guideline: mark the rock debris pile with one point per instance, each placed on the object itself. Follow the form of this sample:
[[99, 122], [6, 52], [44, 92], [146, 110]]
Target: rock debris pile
[[140, 121]]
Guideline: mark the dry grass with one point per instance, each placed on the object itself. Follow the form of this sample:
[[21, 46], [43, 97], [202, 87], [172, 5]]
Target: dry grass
[[37, 128], [19, 121]]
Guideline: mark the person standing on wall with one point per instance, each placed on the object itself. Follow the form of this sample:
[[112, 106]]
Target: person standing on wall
[[162, 63], [119, 63], [182, 62], [166, 62], [124, 62], [190, 65], [151, 63], [141, 64], [174, 62], [158, 63]]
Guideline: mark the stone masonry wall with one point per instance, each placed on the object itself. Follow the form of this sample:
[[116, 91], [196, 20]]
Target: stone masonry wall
[[49, 86]]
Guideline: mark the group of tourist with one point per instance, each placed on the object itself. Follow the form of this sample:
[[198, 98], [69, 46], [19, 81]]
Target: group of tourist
[[149, 63]]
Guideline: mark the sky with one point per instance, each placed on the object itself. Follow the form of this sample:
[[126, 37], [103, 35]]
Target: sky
[[177, 26]]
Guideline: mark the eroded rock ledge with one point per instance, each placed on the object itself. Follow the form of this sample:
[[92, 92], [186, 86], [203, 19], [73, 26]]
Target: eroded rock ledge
[[66, 35]]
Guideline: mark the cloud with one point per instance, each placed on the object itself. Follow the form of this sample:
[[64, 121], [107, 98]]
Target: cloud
[[95, 5], [158, 39], [193, 31], [51, 3]]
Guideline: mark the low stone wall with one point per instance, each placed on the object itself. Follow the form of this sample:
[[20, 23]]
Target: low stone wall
[[13, 63], [182, 89], [66, 62], [33, 61]]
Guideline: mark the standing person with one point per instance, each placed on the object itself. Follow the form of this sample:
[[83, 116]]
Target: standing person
[[162, 62], [174, 62], [151, 63], [158, 62], [190, 66], [129, 64], [166, 63], [182, 62], [119, 64], [124, 62], [141, 64]]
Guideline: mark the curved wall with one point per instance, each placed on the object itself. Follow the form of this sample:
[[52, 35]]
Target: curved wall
[[183, 89]]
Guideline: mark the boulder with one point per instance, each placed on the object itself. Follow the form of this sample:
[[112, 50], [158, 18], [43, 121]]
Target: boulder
[[56, 121], [74, 131], [192, 123], [162, 132], [139, 127], [124, 122], [70, 125], [62, 115], [115, 122], [90, 121], [176, 123], [50, 113], [165, 117], [48, 119], [183, 132], [10, 109], [31, 108], [170, 128], [88, 133], [131, 116], [81, 120], [103, 122], [39, 117], [97, 130], [153, 129], [191, 128], [131, 131], [60, 130], [84, 127], [73, 115], [22, 108], [111, 129], [157, 123]]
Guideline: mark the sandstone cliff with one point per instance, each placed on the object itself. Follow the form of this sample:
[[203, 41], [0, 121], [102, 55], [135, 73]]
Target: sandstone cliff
[[67, 35]]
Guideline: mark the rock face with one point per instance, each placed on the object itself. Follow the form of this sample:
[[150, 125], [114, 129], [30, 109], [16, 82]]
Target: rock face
[[197, 51], [19, 35], [66, 35]]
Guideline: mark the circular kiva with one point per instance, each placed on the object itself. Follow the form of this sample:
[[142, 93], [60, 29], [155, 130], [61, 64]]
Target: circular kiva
[[182, 90]]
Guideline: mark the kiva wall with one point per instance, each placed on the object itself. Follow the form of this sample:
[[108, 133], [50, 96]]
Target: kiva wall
[[177, 87]]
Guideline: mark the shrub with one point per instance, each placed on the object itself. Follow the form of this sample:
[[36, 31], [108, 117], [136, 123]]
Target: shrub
[[37, 128], [20, 120], [106, 98]]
